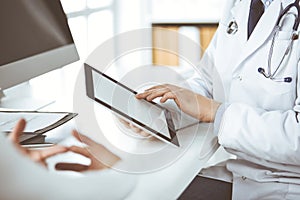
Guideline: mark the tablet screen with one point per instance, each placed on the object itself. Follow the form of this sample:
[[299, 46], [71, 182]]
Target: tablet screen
[[149, 116]]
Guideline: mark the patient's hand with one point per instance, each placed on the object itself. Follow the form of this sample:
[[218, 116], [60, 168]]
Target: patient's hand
[[38, 156], [101, 158]]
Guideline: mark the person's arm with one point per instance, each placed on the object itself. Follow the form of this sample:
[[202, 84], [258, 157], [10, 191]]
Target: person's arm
[[201, 81], [200, 107], [196, 101], [269, 135]]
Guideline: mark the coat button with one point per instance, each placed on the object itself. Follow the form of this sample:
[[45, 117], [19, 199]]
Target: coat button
[[240, 77], [244, 178]]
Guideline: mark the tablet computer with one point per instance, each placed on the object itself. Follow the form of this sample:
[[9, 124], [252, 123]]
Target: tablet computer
[[149, 116]]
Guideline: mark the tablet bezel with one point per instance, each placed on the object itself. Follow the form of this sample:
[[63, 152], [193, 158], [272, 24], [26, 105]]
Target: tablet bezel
[[90, 93]]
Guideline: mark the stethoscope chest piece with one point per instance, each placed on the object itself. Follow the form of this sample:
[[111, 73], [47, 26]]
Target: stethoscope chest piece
[[232, 27]]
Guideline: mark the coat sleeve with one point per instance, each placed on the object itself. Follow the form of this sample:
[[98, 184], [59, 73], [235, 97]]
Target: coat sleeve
[[201, 81], [268, 135], [272, 136]]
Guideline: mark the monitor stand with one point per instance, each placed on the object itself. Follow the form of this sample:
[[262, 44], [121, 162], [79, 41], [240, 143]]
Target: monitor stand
[[22, 97]]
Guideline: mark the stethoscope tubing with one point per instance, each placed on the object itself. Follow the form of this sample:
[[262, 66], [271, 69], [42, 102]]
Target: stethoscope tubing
[[294, 36], [233, 28], [286, 10]]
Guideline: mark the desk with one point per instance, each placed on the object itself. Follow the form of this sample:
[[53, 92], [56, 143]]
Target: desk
[[166, 183], [169, 182]]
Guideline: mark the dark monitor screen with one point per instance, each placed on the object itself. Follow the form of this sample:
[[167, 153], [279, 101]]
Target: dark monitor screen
[[34, 39], [30, 27]]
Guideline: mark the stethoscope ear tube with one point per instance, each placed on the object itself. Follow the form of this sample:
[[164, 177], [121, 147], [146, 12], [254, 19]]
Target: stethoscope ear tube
[[286, 10], [262, 71], [297, 21], [288, 79]]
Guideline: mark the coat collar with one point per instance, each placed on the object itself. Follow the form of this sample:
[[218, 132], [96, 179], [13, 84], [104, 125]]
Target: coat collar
[[262, 31]]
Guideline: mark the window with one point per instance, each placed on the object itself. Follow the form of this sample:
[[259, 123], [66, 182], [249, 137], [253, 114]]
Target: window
[[90, 21]]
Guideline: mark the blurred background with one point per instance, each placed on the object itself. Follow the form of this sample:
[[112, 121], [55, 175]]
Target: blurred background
[[94, 21]]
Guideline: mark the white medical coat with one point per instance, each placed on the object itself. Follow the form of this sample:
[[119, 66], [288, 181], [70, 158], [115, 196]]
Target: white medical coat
[[260, 126]]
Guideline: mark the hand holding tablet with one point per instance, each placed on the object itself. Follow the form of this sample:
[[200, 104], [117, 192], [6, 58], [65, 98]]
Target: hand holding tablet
[[148, 116]]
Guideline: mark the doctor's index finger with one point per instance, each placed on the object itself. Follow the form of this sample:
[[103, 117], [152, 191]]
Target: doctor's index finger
[[143, 95], [157, 93], [152, 93]]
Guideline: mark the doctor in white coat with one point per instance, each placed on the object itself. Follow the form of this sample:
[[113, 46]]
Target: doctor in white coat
[[253, 97]]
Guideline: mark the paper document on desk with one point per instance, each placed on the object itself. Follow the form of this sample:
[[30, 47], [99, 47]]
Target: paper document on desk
[[37, 122]]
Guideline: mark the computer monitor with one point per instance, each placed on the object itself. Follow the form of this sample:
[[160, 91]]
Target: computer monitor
[[34, 39]]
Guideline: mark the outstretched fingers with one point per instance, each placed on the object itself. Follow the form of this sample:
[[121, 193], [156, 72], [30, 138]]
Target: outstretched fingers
[[52, 151], [166, 96], [149, 95]]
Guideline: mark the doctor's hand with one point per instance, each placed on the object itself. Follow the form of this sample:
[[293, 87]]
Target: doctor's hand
[[195, 105], [37, 155], [134, 128], [100, 157]]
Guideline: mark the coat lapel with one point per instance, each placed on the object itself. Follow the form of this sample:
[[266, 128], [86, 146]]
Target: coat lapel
[[262, 31], [240, 15]]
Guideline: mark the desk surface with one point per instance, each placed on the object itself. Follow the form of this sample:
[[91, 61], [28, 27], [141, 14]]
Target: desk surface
[[171, 181], [168, 182]]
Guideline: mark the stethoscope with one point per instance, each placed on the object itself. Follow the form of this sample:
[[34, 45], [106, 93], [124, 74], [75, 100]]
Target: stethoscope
[[233, 28]]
